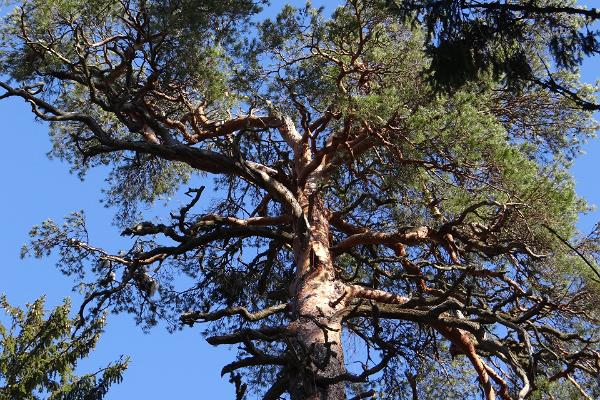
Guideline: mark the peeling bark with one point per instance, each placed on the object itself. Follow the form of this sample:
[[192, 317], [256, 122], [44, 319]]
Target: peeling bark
[[317, 344]]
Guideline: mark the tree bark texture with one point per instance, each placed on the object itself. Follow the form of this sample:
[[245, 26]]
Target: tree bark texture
[[317, 302]]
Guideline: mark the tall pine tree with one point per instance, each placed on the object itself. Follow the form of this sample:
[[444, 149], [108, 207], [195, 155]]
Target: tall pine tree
[[355, 204]]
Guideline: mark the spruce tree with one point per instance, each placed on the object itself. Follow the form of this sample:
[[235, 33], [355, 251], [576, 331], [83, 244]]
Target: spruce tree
[[39, 354]]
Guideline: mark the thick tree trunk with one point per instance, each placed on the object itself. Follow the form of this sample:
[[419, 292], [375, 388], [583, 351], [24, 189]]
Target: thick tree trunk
[[318, 298], [319, 352]]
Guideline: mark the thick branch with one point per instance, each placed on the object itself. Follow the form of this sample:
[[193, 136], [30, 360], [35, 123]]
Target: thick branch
[[191, 317], [410, 235], [219, 234], [252, 362], [267, 334]]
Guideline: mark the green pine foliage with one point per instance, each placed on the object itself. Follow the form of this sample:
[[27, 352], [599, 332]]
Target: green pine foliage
[[162, 92]]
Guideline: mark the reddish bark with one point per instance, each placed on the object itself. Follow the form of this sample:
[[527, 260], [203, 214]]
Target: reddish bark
[[462, 344]]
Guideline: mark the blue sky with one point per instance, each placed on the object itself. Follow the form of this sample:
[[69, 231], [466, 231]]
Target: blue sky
[[181, 365]]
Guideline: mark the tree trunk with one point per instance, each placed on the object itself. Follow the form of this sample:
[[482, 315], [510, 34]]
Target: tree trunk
[[318, 298]]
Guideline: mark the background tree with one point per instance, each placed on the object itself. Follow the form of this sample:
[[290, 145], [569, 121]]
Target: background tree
[[355, 205], [38, 356]]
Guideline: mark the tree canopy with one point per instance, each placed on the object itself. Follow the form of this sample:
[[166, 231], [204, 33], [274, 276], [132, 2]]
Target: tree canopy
[[360, 216]]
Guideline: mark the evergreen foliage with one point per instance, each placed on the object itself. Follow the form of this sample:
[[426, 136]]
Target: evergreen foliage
[[354, 201], [39, 354]]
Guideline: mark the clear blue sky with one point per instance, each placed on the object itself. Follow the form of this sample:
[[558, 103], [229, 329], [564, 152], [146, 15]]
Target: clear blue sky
[[178, 366]]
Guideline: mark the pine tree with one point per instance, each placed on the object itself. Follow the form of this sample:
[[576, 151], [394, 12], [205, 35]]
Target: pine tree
[[355, 206], [38, 355]]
